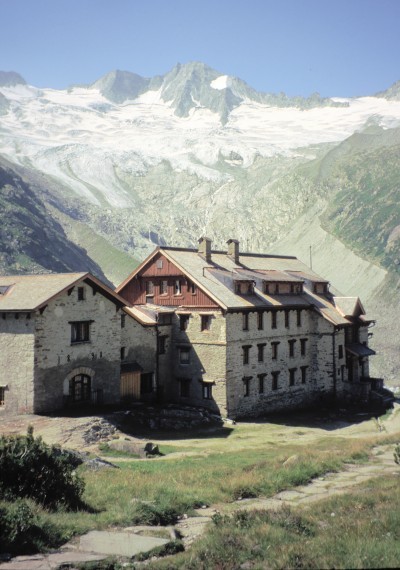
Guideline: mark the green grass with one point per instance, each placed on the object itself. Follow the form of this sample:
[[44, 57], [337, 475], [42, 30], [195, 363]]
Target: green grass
[[358, 530]]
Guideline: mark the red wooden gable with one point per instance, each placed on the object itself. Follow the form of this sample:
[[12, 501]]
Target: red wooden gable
[[161, 282]]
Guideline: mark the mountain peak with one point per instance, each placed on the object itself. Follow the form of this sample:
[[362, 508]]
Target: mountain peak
[[11, 78], [118, 86]]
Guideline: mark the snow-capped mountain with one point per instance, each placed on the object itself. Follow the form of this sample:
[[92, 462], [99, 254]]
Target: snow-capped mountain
[[194, 118], [128, 162]]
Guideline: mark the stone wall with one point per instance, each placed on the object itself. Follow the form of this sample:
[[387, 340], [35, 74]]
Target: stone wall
[[278, 378], [57, 357], [205, 370], [17, 361]]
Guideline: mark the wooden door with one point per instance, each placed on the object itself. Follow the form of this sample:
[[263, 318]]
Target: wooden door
[[130, 386]]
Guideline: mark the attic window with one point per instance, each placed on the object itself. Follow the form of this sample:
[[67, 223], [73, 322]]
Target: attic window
[[159, 263], [81, 293], [244, 287]]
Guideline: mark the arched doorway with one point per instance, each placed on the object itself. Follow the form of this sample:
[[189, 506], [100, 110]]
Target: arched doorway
[[80, 388]]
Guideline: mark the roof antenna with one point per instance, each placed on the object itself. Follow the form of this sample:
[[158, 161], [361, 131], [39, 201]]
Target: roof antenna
[[310, 257]]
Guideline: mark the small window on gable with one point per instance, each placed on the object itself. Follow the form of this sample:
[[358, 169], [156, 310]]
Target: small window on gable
[[80, 331], [123, 320], [149, 288], [178, 287], [205, 322], [159, 263], [81, 293]]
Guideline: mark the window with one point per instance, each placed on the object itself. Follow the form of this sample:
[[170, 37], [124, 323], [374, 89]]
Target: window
[[205, 322], [292, 376], [184, 387], [260, 321], [164, 318], [184, 355], [183, 322], [164, 287], [340, 351], [80, 331], [80, 388], [178, 287], [299, 317], [162, 344], [81, 293], [246, 386], [274, 346], [159, 263], [123, 319], [191, 288], [291, 343], [273, 320], [261, 352], [2, 396], [261, 378], [149, 288], [123, 352], [245, 321], [287, 319], [207, 391], [246, 354], [303, 374], [303, 346], [275, 377]]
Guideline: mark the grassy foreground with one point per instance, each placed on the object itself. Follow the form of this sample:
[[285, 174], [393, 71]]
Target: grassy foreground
[[357, 530]]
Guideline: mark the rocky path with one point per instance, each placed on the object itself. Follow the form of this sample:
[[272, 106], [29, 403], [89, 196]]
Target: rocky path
[[381, 463]]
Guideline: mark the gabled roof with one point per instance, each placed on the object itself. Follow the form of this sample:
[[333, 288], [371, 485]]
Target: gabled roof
[[32, 292], [217, 279], [349, 306]]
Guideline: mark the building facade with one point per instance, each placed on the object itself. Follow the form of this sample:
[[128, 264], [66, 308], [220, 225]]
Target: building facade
[[246, 334], [60, 343]]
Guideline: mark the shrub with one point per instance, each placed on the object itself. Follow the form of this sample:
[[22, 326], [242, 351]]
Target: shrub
[[31, 469], [154, 515], [23, 531]]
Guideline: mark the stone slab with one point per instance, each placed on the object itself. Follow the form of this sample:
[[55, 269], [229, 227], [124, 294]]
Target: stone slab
[[118, 543], [49, 561]]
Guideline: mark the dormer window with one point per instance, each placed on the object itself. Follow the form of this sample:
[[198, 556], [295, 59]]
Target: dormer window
[[81, 293], [244, 287]]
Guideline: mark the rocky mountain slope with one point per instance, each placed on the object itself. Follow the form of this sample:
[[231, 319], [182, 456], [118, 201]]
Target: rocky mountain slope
[[129, 162]]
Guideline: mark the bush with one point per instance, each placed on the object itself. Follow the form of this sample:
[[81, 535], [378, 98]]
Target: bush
[[31, 469], [154, 515], [23, 531]]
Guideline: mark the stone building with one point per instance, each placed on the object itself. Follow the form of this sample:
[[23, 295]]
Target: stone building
[[60, 343], [245, 334]]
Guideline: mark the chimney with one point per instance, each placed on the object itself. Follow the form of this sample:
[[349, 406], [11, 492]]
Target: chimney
[[233, 250], [205, 248]]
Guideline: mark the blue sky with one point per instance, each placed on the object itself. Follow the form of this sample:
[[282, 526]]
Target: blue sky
[[335, 47]]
